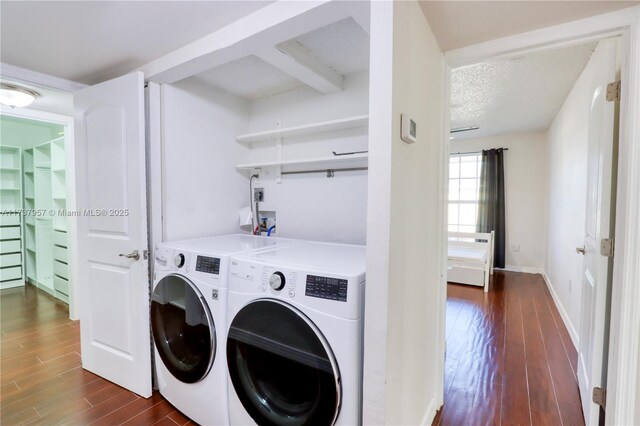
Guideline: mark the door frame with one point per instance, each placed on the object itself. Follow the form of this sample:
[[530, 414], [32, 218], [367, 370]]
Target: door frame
[[624, 348], [72, 231]]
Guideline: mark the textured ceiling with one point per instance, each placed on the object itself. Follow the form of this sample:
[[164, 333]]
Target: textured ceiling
[[93, 41], [518, 94], [343, 46], [457, 24]]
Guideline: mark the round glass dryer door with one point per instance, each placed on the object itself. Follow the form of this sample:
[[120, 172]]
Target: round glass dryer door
[[281, 366], [183, 329]]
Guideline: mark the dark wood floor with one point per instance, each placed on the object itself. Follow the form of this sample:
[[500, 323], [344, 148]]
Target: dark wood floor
[[509, 359], [41, 378]]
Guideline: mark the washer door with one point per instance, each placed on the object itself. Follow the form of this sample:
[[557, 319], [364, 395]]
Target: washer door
[[183, 329], [281, 366]]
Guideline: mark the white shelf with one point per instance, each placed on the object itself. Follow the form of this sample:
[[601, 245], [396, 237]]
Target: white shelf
[[305, 129], [355, 160], [12, 273]]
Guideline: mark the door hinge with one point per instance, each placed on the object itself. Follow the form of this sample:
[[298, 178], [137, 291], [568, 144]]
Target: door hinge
[[606, 247], [613, 91], [600, 397]]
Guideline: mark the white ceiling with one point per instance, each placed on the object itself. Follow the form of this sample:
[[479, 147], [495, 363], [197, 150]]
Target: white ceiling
[[250, 78], [519, 94], [92, 41], [342, 46], [457, 24]]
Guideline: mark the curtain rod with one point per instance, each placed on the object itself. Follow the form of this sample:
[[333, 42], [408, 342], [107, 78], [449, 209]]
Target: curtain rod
[[474, 152]]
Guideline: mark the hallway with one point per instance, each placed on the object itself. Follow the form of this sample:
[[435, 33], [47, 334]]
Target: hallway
[[509, 359]]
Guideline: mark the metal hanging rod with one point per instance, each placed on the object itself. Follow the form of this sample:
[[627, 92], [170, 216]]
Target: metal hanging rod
[[474, 152], [337, 154], [330, 172]]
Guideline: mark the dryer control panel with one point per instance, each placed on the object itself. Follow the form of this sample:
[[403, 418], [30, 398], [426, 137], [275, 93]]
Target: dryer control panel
[[209, 265], [327, 288]]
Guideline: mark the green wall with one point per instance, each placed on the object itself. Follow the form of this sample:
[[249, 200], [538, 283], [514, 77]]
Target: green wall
[[26, 133]]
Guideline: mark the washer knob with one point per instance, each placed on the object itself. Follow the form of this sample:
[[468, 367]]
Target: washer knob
[[179, 260], [276, 281]]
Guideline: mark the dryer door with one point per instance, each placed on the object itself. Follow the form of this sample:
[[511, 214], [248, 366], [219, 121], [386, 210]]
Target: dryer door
[[183, 329], [281, 366]]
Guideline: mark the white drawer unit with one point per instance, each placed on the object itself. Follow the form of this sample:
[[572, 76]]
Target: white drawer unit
[[11, 202], [465, 275], [13, 259], [10, 246], [9, 220], [10, 274], [10, 233], [45, 237], [61, 285], [60, 269], [60, 238], [60, 253]]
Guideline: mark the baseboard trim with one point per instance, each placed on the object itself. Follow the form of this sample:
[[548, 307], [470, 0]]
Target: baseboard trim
[[430, 412], [524, 269], [563, 313]]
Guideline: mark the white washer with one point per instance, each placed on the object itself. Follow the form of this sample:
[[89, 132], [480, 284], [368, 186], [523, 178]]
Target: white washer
[[295, 339], [188, 321]]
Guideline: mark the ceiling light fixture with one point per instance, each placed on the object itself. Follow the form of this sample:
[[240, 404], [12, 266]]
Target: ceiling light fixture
[[16, 96], [463, 129]]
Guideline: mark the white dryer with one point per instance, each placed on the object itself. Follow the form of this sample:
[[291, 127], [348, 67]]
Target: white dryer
[[188, 321], [295, 339]]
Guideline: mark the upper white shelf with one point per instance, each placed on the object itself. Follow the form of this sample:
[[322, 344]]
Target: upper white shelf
[[305, 129], [355, 160]]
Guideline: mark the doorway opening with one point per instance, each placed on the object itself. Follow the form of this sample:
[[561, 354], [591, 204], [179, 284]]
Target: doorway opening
[[541, 331], [38, 227]]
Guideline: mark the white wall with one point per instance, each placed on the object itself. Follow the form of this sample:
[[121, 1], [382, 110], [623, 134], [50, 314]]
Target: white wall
[[526, 193], [417, 208], [202, 191], [409, 370], [312, 206], [567, 197]]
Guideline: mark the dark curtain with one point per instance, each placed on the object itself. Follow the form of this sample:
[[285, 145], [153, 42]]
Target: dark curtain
[[491, 203]]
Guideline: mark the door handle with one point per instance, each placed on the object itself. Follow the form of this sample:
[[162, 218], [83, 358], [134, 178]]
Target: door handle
[[582, 250], [133, 255]]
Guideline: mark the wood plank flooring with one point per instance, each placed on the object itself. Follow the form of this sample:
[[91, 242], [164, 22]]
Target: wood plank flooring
[[509, 358], [42, 382], [510, 361]]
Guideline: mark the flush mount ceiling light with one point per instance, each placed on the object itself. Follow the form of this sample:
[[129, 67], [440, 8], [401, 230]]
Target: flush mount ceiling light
[[16, 96]]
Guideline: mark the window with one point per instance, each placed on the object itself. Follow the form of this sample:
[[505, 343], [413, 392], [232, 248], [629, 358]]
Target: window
[[464, 191]]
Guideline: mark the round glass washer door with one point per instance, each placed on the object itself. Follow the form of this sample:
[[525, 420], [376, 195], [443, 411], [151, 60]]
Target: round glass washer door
[[183, 329], [281, 366]]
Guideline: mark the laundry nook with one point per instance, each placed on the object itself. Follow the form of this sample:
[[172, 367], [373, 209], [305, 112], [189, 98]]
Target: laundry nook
[[319, 213]]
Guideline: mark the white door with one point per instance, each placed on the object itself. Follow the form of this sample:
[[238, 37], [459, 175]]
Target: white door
[[599, 216], [111, 181]]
